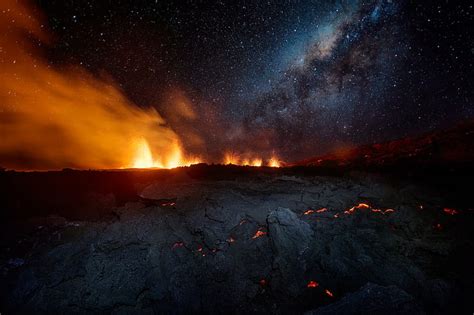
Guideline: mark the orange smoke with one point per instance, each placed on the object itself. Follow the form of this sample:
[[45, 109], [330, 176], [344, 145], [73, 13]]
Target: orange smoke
[[52, 118]]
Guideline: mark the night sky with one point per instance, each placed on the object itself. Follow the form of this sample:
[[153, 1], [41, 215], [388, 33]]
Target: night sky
[[296, 77]]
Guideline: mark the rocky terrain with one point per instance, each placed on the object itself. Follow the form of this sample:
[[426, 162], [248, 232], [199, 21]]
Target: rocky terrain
[[273, 241]]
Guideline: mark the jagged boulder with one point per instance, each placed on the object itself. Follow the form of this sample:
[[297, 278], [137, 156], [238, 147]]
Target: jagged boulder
[[290, 239]]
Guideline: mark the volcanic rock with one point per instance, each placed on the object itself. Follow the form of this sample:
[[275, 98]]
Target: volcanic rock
[[272, 243]]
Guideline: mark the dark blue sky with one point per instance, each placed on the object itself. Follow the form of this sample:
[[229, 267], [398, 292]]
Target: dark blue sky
[[296, 77]]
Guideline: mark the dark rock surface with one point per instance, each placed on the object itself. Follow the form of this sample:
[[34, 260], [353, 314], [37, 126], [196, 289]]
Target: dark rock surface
[[373, 299], [267, 243]]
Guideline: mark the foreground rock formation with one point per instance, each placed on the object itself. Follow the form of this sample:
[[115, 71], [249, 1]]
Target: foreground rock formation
[[267, 243]]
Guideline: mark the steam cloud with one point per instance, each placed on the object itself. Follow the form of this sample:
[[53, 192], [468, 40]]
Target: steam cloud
[[54, 118]]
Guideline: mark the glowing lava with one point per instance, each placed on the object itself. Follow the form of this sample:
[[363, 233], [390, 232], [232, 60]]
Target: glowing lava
[[143, 156], [450, 211], [259, 233], [274, 162], [171, 159], [231, 158], [366, 206], [313, 284]]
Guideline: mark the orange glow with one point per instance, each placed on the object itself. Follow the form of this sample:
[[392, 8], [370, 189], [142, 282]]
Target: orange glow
[[450, 211], [168, 204], [257, 162], [313, 284], [328, 293], [274, 162], [310, 211], [56, 117], [174, 157], [143, 156], [233, 158], [366, 206], [259, 233]]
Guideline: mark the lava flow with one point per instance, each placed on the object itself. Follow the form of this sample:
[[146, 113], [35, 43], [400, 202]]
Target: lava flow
[[231, 158], [144, 157]]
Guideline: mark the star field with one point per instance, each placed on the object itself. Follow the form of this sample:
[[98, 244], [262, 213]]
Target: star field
[[296, 77]]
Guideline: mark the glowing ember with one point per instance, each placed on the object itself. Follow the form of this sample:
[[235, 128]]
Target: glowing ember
[[310, 211], [177, 244], [312, 284], [328, 293], [450, 211], [263, 282], [438, 226], [168, 204], [366, 206], [362, 206], [259, 233], [359, 206], [230, 240]]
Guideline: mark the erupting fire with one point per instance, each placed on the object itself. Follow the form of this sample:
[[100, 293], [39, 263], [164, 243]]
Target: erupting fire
[[144, 157], [231, 158], [274, 162], [58, 117]]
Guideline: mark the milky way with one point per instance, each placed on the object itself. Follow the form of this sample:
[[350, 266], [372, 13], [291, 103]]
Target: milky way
[[298, 78]]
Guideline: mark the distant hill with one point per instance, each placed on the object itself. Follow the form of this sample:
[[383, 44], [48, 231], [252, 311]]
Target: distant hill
[[453, 147]]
